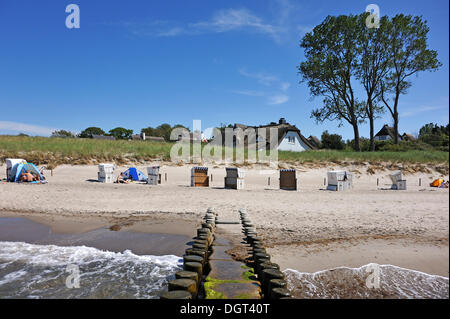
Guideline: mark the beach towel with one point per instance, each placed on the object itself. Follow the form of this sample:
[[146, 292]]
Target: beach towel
[[437, 182]]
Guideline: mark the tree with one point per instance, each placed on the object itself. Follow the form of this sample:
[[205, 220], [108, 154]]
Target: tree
[[162, 130], [332, 141], [121, 133], [372, 67], [87, 133], [407, 45], [331, 52], [63, 134], [149, 131], [434, 135]]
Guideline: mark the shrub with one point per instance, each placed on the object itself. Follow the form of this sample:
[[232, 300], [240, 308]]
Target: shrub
[[63, 134], [87, 133], [332, 141], [121, 133]]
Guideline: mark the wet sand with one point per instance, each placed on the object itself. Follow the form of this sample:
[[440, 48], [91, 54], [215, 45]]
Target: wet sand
[[142, 242], [308, 230], [425, 257]]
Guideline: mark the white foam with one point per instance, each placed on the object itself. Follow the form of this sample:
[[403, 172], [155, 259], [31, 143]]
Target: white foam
[[52, 255], [33, 271], [345, 282], [12, 276]]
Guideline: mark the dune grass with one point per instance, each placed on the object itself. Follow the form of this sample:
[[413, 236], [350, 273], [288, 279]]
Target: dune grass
[[410, 156], [42, 150], [80, 151]]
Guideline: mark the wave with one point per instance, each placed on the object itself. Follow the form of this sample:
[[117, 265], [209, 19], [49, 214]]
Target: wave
[[368, 281], [42, 271]]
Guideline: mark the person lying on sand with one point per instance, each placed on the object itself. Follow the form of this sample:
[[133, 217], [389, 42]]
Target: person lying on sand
[[121, 180], [36, 177], [27, 177]]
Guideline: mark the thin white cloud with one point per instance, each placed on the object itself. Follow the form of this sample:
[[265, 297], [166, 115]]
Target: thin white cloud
[[249, 92], [236, 19], [274, 98], [26, 128], [285, 86], [420, 110], [265, 79], [171, 32], [278, 99], [281, 27]]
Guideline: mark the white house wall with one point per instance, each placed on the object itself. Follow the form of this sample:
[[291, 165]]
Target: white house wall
[[296, 146], [382, 138]]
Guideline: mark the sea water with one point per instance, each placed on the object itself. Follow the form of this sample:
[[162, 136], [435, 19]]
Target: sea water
[[47, 271], [368, 281]]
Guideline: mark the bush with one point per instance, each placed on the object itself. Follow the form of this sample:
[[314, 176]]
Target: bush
[[403, 146], [87, 133], [63, 134], [121, 133], [332, 141], [364, 144], [435, 140]]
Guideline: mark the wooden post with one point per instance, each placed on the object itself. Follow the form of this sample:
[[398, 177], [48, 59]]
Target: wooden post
[[420, 182], [268, 181], [165, 177], [378, 181], [211, 178]]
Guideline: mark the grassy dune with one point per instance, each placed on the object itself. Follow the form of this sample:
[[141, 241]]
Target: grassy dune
[[55, 151], [43, 150], [413, 156]]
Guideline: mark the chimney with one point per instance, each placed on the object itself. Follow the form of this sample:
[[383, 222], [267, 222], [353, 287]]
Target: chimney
[[282, 121]]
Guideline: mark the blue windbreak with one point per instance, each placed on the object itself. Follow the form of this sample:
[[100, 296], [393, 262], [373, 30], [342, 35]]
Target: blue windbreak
[[18, 169]]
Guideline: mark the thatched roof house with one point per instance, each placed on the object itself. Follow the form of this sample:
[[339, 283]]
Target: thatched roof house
[[289, 137], [408, 137], [313, 140], [386, 133]]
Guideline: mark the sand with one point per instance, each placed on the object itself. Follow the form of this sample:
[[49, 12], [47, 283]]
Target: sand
[[147, 241], [309, 230]]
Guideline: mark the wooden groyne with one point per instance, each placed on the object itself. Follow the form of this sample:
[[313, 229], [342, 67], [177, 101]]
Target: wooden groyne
[[271, 279], [210, 272], [188, 283]]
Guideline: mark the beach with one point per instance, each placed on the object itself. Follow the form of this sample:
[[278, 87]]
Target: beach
[[307, 230]]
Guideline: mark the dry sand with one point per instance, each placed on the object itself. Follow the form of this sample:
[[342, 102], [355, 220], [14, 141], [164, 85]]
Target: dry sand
[[309, 230]]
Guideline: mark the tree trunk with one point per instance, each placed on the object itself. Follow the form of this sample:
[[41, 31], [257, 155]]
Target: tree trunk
[[395, 115], [356, 132], [372, 135], [371, 124], [396, 141]]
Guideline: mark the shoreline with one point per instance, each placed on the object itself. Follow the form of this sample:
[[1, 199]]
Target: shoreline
[[308, 230], [142, 241], [416, 254], [68, 223]]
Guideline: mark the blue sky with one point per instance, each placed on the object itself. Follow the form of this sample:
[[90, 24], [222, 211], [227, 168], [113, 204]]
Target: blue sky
[[142, 63]]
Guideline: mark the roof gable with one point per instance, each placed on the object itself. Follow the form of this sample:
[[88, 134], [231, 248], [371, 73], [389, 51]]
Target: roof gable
[[387, 131]]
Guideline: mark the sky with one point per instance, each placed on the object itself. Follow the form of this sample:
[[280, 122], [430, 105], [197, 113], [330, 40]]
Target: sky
[[141, 63]]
